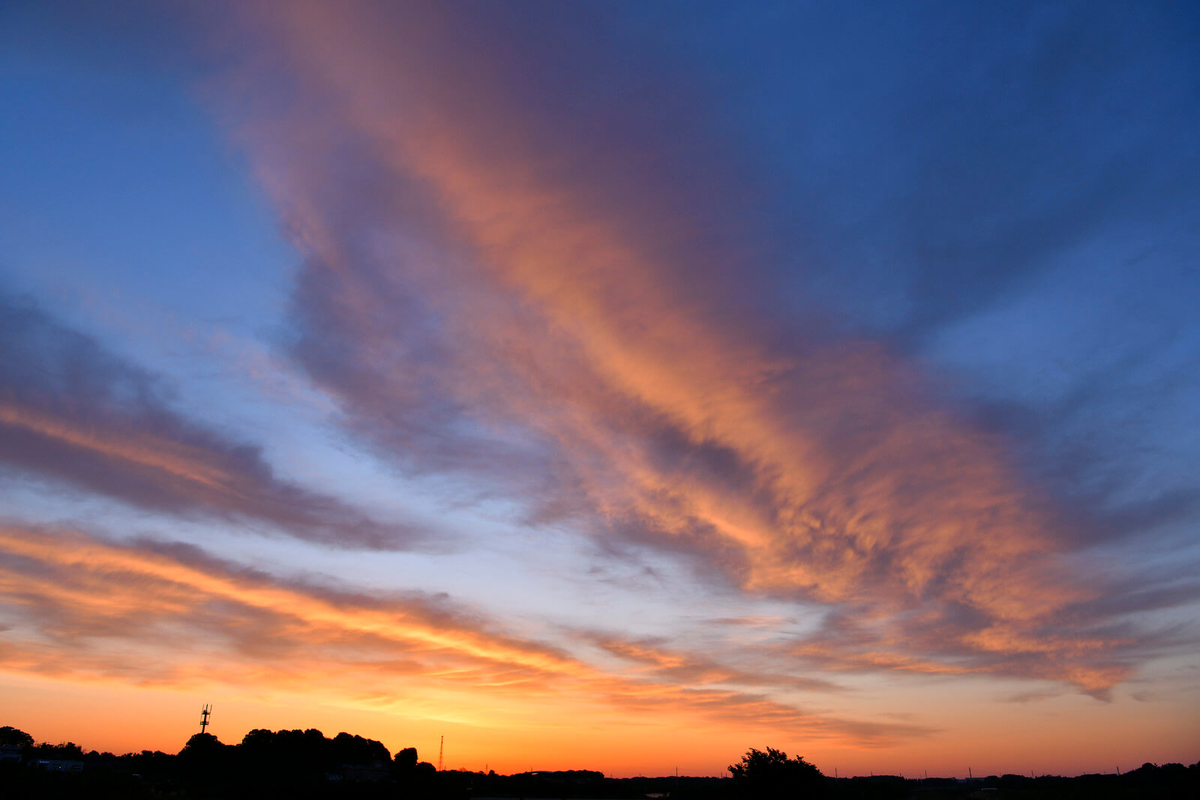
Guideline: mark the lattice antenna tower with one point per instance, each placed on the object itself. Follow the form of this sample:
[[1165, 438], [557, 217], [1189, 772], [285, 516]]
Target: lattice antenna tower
[[204, 712], [441, 750]]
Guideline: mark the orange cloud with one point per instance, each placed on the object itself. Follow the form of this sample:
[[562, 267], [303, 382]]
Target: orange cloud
[[566, 350], [142, 450], [75, 414], [85, 610]]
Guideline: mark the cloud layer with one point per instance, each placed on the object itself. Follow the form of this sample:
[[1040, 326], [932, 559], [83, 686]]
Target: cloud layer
[[164, 614], [489, 296], [73, 412]]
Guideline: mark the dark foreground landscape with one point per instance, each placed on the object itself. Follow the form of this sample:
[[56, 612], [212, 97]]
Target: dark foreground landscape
[[307, 764]]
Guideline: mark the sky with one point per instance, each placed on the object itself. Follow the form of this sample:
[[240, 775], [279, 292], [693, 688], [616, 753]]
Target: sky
[[610, 386]]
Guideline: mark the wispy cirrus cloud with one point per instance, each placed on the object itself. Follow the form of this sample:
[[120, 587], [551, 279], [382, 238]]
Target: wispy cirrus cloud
[[75, 413], [658, 657], [490, 299], [158, 613]]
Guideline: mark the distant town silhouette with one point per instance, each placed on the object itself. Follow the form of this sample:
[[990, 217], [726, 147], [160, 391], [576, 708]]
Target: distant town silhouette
[[308, 764]]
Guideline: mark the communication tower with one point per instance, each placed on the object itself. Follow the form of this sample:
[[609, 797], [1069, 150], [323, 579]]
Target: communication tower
[[441, 749], [204, 716]]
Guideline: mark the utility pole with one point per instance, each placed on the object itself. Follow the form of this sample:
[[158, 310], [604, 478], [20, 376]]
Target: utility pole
[[204, 716]]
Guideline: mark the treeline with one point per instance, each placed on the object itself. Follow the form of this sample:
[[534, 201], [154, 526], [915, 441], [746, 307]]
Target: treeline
[[307, 764], [293, 763]]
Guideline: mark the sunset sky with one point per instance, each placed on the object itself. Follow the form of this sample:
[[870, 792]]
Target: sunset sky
[[609, 386]]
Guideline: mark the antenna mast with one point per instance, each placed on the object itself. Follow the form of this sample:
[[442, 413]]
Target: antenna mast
[[441, 749], [204, 716]]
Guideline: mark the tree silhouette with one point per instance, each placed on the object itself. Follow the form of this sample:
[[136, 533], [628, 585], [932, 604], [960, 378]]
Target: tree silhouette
[[14, 737], [202, 744], [406, 760], [773, 775]]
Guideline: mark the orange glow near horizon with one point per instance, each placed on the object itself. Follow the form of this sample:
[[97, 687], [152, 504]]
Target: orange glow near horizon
[[120, 718]]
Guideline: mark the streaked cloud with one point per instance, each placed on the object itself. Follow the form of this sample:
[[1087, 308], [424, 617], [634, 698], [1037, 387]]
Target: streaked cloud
[[72, 412], [483, 301], [164, 614]]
